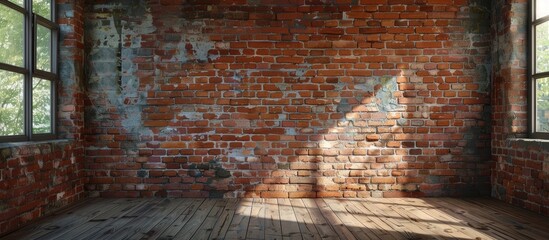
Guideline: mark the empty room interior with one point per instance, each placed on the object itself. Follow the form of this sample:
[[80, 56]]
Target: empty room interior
[[274, 119]]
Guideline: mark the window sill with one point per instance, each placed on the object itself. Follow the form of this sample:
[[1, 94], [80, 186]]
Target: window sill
[[529, 142], [24, 144]]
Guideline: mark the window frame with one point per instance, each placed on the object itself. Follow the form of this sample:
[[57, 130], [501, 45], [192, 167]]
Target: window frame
[[532, 75], [30, 71]]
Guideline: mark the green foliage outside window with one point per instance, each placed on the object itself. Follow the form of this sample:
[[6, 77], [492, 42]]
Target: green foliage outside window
[[11, 104], [542, 84]]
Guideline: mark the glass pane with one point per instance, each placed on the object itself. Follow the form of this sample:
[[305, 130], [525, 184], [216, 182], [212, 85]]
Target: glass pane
[[542, 8], [542, 105], [11, 104], [41, 106], [542, 47], [18, 2], [43, 48], [42, 8], [12, 38]]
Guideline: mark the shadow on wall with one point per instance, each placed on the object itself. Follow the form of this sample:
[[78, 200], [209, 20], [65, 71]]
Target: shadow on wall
[[233, 103], [378, 147]]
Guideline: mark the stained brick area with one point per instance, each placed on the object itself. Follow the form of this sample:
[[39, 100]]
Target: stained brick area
[[521, 173], [39, 178], [288, 98]]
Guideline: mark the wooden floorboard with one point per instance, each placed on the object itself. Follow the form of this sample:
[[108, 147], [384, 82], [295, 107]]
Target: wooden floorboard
[[239, 224], [273, 229], [288, 220], [371, 218]]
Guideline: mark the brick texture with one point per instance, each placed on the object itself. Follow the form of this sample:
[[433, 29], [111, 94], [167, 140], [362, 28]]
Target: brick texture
[[39, 178], [288, 99], [521, 170]]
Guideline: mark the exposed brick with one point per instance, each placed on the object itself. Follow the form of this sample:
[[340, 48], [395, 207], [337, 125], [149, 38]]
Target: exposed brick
[[271, 101], [50, 175], [302, 194], [273, 194], [517, 164], [344, 44], [329, 194], [399, 194]]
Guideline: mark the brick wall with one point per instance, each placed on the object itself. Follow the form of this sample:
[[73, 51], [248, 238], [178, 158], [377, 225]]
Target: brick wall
[[521, 171], [39, 178], [295, 98]]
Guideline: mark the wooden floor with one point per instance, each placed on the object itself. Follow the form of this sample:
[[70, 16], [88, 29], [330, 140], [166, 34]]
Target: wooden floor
[[371, 218]]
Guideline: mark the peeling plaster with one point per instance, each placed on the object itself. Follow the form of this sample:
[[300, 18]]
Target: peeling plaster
[[112, 71]]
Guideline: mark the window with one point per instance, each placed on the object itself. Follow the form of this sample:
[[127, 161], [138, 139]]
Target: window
[[539, 70], [28, 69]]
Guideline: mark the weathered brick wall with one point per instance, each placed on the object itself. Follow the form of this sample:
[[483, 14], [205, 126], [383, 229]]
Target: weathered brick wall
[[38, 178], [303, 98], [521, 171]]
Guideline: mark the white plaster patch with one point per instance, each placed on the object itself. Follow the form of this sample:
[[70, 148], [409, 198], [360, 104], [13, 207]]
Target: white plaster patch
[[190, 115], [60, 195]]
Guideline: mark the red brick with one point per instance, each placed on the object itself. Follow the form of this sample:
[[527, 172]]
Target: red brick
[[294, 105], [273, 194], [323, 194], [344, 44], [399, 194], [318, 44], [384, 180]]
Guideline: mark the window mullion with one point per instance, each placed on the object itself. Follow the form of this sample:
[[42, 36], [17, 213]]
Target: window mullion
[[531, 67], [540, 75], [540, 21], [44, 75], [13, 6], [45, 22], [29, 61], [12, 68], [54, 68]]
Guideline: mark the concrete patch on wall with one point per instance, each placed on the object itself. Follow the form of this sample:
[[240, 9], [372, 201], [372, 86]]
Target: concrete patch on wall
[[112, 72], [383, 89]]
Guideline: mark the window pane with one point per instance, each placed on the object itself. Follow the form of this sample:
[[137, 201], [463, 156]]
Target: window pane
[[542, 47], [18, 2], [43, 48], [11, 104], [42, 8], [12, 36], [41, 106], [542, 8], [542, 105]]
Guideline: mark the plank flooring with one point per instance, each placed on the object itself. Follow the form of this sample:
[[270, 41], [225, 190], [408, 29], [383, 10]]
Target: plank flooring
[[371, 218]]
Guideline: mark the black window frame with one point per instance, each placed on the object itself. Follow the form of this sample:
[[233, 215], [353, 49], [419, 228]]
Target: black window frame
[[30, 70], [532, 75]]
